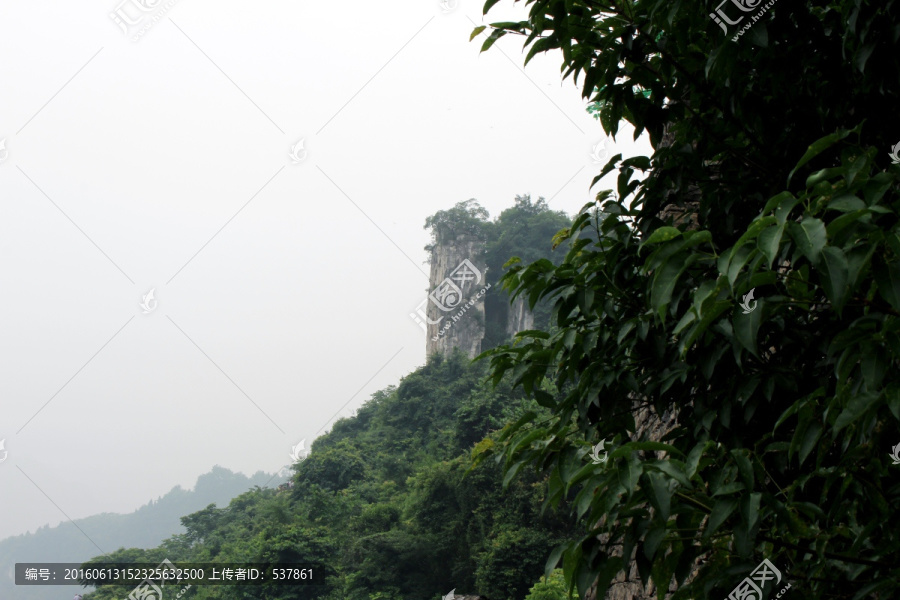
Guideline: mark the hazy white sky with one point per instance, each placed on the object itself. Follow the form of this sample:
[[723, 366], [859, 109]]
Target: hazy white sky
[[284, 290]]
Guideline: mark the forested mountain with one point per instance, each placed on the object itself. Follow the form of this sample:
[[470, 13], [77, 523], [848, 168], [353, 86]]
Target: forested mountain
[[387, 503], [390, 503], [147, 526]]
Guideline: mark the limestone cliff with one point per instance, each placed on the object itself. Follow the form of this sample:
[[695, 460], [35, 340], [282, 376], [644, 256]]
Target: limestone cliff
[[455, 310], [519, 318], [458, 286]]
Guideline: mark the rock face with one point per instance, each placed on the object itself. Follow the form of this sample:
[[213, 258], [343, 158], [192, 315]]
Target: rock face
[[519, 318], [456, 292], [456, 310]]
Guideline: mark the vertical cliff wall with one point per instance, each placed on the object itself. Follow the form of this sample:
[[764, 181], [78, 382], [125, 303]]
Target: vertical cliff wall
[[456, 316], [519, 318]]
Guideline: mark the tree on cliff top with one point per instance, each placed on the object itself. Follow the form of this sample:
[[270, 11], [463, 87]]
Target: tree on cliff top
[[467, 217], [749, 284]]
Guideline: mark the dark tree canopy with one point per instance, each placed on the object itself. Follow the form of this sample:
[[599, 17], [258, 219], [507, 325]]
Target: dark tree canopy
[[770, 186]]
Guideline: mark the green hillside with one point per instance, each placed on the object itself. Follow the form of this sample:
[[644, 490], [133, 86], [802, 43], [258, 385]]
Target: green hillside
[[385, 502], [146, 527]]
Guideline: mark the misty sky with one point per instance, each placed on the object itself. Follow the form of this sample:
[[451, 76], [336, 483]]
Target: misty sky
[[283, 290]]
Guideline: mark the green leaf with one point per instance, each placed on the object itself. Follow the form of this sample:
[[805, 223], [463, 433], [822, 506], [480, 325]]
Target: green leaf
[[729, 488], [835, 279], [651, 542], [660, 494], [846, 203], [818, 147], [553, 559], [664, 280], [653, 446], [746, 328], [488, 5], [496, 34], [476, 32], [674, 469], [511, 473], [892, 395], [810, 237], [858, 261], [693, 459], [862, 56], [856, 407], [887, 277], [721, 510], [753, 231], [810, 437], [510, 430], [750, 509], [769, 241], [782, 204], [663, 234], [742, 460]]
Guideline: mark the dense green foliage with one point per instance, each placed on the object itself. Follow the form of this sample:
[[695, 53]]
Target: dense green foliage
[[387, 503], [551, 587], [770, 173]]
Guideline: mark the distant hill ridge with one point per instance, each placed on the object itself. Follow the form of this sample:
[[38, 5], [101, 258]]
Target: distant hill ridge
[[146, 527]]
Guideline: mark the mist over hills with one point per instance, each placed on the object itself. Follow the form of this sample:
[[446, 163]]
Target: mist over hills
[[146, 527]]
